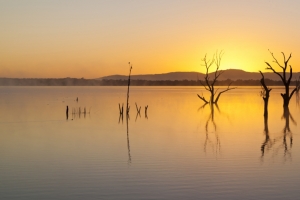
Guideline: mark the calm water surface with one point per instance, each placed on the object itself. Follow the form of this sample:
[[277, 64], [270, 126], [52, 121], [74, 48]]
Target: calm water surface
[[180, 150]]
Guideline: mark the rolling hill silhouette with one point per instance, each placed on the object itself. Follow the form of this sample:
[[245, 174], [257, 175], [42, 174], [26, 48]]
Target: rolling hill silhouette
[[232, 74]]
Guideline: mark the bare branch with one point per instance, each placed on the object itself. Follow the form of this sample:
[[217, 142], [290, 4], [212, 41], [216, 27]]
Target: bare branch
[[217, 76], [291, 74], [216, 91], [262, 81], [228, 88], [202, 98], [217, 106], [271, 68], [208, 89], [275, 60], [294, 90], [218, 58], [286, 61], [283, 56], [202, 107], [293, 120]]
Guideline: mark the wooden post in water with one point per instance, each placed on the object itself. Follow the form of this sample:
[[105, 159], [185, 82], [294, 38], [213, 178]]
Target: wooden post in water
[[67, 112], [146, 109], [128, 107]]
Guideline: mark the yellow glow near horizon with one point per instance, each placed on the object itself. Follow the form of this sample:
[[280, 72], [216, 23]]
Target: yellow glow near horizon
[[95, 39]]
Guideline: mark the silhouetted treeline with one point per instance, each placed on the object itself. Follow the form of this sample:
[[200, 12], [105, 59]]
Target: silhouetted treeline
[[106, 82], [48, 82]]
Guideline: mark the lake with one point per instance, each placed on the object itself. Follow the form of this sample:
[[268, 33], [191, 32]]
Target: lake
[[180, 149]]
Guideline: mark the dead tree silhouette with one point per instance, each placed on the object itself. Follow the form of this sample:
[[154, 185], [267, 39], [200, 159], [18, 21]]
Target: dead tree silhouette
[[127, 103], [265, 93], [283, 76], [208, 84]]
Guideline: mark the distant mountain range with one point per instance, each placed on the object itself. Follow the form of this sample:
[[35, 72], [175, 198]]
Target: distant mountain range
[[232, 74]]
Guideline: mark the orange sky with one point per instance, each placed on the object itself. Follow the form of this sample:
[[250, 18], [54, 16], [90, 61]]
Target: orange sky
[[93, 38]]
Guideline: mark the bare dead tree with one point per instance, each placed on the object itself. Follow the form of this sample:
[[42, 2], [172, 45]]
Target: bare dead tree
[[265, 94], [286, 81], [208, 84], [127, 104]]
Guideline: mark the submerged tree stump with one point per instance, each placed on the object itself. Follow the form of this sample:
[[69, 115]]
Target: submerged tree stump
[[265, 93]]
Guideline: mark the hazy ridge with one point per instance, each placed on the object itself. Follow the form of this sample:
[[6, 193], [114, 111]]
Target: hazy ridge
[[236, 77], [232, 74]]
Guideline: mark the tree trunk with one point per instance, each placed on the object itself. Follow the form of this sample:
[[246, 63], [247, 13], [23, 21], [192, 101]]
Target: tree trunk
[[212, 96], [286, 116], [286, 98], [266, 100]]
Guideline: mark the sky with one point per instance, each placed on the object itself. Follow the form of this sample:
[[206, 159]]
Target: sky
[[95, 38]]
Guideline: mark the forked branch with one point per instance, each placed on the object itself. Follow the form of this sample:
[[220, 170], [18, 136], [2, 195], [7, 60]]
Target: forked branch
[[210, 84], [286, 82], [228, 88], [202, 98]]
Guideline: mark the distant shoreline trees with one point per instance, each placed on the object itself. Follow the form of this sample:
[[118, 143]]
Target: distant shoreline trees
[[133, 82]]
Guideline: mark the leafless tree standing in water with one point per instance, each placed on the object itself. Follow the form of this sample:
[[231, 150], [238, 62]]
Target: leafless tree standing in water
[[208, 84], [265, 93], [283, 76]]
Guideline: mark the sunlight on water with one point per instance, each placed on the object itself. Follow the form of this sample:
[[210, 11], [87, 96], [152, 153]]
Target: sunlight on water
[[179, 150]]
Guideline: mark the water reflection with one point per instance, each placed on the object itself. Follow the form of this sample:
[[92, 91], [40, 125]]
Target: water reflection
[[146, 114], [138, 115], [297, 97], [127, 131], [121, 118], [128, 141], [67, 112], [267, 143], [78, 113], [284, 141], [212, 141], [297, 91], [287, 131], [42, 154]]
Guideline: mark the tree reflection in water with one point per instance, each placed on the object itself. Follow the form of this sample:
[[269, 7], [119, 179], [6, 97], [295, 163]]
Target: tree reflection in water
[[283, 142], [212, 141], [127, 129], [128, 142]]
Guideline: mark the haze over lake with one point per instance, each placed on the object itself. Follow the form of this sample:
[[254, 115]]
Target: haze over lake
[[180, 150]]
